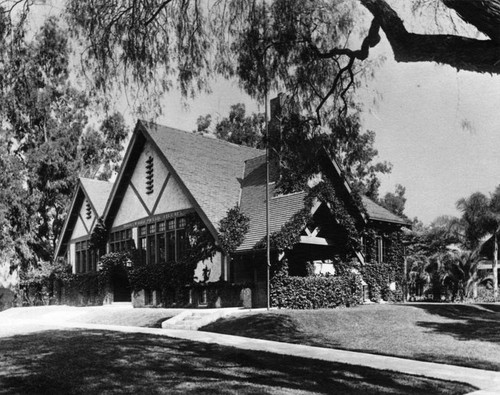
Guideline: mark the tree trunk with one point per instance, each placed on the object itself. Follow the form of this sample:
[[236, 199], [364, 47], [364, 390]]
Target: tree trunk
[[495, 266]]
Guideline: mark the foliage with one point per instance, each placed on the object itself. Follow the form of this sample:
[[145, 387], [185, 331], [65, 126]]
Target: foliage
[[99, 236], [314, 292], [379, 275], [395, 202], [236, 128], [41, 284], [296, 142], [45, 140], [232, 229]]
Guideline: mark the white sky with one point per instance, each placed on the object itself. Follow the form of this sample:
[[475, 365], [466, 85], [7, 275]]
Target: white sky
[[418, 117]]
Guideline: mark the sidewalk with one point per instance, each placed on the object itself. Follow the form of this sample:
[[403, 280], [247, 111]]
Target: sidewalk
[[488, 382]]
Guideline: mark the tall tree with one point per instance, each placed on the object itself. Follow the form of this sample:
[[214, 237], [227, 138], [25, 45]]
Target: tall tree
[[47, 141]]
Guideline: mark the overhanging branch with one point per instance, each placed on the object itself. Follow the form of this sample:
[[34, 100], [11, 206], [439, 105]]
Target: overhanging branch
[[463, 53]]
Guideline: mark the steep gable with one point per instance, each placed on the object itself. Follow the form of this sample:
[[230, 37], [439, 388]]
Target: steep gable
[[209, 170]]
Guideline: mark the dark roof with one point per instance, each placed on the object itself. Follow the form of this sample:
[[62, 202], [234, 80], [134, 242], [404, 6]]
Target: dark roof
[[211, 169], [379, 213], [283, 207], [98, 193]]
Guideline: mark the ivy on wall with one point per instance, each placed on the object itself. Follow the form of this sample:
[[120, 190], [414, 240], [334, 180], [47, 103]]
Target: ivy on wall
[[379, 275], [290, 232], [232, 229]]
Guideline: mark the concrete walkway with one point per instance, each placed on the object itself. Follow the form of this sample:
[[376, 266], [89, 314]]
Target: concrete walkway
[[488, 382]]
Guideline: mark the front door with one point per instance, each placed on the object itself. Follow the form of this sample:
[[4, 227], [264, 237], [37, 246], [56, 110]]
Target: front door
[[121, 285]]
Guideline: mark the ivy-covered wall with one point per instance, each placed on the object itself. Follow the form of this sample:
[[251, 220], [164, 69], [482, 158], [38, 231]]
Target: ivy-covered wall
[[381, 276]]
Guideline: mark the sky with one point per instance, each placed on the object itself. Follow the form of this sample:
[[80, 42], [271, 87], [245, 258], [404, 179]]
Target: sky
[[440, 128]]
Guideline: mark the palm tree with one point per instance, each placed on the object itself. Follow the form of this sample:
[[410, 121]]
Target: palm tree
[[458, 271], [481, 217]]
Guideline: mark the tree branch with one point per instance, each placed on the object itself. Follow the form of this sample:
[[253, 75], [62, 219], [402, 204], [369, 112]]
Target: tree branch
[[153, 17], [460, 52]]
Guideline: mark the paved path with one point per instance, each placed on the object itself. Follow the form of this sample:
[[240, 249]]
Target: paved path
[[488, 382]]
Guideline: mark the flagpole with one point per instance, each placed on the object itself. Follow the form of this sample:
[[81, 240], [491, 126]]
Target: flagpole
[[268, 247]]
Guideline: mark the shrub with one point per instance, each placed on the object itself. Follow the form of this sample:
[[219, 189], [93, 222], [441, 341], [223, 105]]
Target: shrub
[[314, 292]]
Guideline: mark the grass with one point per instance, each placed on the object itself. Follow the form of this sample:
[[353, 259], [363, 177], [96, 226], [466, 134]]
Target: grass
[[459, 334], [92, 361]]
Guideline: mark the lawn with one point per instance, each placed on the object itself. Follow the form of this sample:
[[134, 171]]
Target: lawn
[[92, 361], [460, 334]]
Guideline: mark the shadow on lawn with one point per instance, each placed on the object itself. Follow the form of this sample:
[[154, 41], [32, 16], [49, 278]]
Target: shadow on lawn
[[86, 361], [469, 321], [277, 327]]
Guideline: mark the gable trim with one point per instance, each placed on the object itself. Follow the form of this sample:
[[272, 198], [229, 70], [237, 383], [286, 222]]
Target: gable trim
[[139, 197], [84, 224], [161, 193], [68, 218]]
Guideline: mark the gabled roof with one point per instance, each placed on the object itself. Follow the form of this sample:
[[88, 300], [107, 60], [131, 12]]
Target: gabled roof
[[283, 207], [96, 192], [208, 170]]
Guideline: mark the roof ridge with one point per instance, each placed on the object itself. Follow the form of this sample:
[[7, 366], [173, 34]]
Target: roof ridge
[[219, 141]]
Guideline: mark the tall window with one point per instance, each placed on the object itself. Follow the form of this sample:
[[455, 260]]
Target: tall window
[[386, 248], [163, 241], [85, 259], [142, 242]]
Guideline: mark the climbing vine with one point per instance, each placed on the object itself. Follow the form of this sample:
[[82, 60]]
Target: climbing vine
[[290, 232], [380, 275], [232, 229]]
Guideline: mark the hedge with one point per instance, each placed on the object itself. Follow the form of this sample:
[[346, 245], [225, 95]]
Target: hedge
[[316, 292]]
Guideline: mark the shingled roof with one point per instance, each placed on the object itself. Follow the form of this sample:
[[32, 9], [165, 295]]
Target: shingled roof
[[211, 169]]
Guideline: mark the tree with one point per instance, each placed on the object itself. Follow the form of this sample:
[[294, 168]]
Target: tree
[[395, 202], [481, 217], [45, 139], [237, 128]]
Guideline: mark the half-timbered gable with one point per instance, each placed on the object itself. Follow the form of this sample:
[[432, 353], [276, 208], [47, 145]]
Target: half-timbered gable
[[86, 208]]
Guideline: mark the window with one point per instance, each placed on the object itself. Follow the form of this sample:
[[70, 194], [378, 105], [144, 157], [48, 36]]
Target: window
[[378, 249], [121, 240], [163, 241], [85, 259], [386, 248]]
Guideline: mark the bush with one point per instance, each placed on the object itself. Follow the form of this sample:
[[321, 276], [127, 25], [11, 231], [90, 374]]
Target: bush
[[314, 292]]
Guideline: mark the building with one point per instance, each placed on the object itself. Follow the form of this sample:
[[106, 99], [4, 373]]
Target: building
[[168, 175]]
